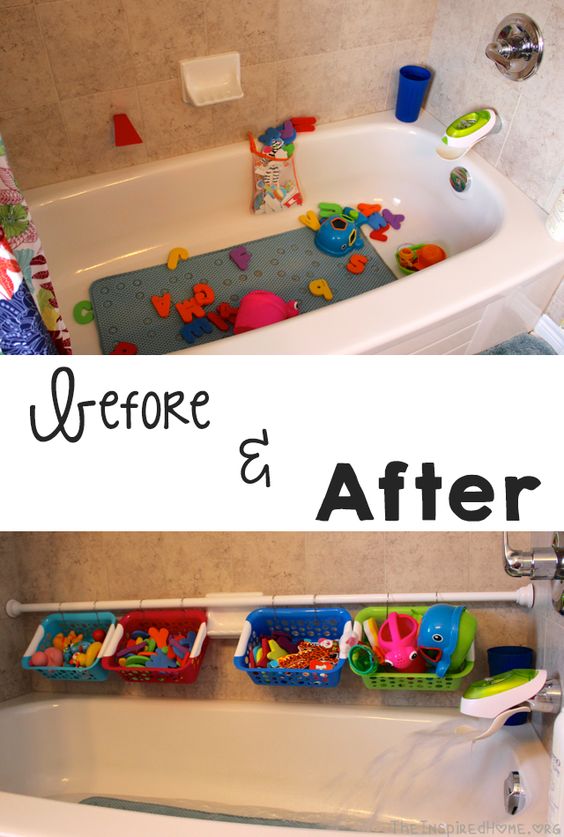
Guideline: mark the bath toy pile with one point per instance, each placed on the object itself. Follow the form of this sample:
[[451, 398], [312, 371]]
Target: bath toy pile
[[438, 643], [156, 648], [337, 228], [276, 184], [280, 650], [414, 257], [70, 650]]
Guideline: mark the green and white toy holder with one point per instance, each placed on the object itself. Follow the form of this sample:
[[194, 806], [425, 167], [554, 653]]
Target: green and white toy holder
[[506, 694]]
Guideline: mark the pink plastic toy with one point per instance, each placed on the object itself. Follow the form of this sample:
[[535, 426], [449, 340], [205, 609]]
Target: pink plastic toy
[[262, 308], [398, 639]]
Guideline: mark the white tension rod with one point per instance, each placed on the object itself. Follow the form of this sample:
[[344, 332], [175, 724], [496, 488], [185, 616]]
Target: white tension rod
[[523, 596], [226, 612]]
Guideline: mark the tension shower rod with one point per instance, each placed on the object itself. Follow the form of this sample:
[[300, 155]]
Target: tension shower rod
[[523, 596]]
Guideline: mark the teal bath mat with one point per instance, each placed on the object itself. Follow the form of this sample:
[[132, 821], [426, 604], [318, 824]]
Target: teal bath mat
[[188, 813], [284, 264]]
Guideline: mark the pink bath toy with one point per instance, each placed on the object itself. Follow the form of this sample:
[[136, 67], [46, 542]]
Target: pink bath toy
[[397, 638], [263, 308], [54, 656], [38, 659]]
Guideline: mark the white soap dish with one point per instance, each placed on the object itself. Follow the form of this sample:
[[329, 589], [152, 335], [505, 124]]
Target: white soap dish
[[213, 79]]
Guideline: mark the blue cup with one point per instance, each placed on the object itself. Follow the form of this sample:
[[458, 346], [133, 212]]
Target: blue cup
[[413, 84], [504, 658]]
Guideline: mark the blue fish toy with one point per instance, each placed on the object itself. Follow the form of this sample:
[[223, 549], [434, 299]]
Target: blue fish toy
[[339, 235]]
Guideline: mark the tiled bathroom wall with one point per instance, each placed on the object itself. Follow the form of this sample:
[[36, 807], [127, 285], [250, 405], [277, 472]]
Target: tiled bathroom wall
[[68, 65], [13, 680], [530, 147], [106, 565], [550, 631]]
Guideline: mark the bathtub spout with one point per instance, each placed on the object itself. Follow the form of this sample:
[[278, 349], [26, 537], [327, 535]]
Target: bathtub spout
[[462, 134], [519, 690]]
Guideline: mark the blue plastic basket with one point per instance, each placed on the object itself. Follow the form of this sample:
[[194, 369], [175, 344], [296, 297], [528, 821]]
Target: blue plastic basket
[[82, 623], [301, 624]]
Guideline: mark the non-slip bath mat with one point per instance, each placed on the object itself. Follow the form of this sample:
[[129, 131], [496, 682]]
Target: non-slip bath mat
[[284, 264], [189, 813], [522, 344]]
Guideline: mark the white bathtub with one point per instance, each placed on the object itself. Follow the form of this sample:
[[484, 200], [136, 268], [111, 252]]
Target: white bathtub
[[503, 266], [304, 761]]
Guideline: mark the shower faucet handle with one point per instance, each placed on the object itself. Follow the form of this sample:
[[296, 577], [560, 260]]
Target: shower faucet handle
[[540, 563], [517, 47]]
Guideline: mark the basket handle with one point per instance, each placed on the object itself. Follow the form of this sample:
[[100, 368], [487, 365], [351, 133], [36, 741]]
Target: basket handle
[[35, 641], [110, 645], [199, 641], [107, 639], [244, 639]]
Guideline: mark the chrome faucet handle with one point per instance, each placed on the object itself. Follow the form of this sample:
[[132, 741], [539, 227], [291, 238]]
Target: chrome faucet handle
[[500, 52], [517, 47], [540, 563]]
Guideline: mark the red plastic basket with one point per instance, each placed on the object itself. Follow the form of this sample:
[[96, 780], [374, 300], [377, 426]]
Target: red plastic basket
[[177, 621]]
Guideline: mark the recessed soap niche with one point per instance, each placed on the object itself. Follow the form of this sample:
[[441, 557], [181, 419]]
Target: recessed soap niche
[[211, 79]]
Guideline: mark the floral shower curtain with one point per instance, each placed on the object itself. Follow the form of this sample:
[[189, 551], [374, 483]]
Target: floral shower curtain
[[30, 320]]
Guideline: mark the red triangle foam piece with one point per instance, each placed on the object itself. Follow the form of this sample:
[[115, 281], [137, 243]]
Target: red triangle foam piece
[[124, 132]]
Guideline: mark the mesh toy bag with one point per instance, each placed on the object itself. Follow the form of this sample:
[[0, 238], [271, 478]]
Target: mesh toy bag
[[275, 182]]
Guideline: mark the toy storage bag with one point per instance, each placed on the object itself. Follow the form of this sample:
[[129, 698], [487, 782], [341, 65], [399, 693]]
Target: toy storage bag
[[300, 624], [81, 623], [275, 182], [176, 621], [425, 682]]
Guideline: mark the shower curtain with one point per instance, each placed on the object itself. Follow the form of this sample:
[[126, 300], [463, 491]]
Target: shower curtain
[[30, 320]]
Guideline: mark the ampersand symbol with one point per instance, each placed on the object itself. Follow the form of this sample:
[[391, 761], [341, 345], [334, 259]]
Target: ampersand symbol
[[249, 457]]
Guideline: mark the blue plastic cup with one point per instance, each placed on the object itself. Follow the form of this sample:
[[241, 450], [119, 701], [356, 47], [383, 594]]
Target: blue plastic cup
[[504, 658], [413, 84]]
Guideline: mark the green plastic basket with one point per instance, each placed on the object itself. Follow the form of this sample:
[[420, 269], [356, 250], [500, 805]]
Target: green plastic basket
[[412, 682]]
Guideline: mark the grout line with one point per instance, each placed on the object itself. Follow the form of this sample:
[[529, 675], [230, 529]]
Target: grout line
[[509, 128]]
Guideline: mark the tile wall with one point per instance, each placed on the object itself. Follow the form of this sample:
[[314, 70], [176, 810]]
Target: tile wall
[[530, 147], [68, 65], [106, 565], [549, 628], [13, 680]]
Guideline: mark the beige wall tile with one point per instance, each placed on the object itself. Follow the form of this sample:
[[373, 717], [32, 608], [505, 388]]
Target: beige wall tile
[[309, 28], [338, 562], [244, 27], [268, 562], [14, 681], [26, 77], [37, 145], [303, 87], [89, 125], [369, 22], [9, 572], [162, 33], [426, 562], [88, 45], [197, 563], [254, 112], [358, 93], [171, 126]]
